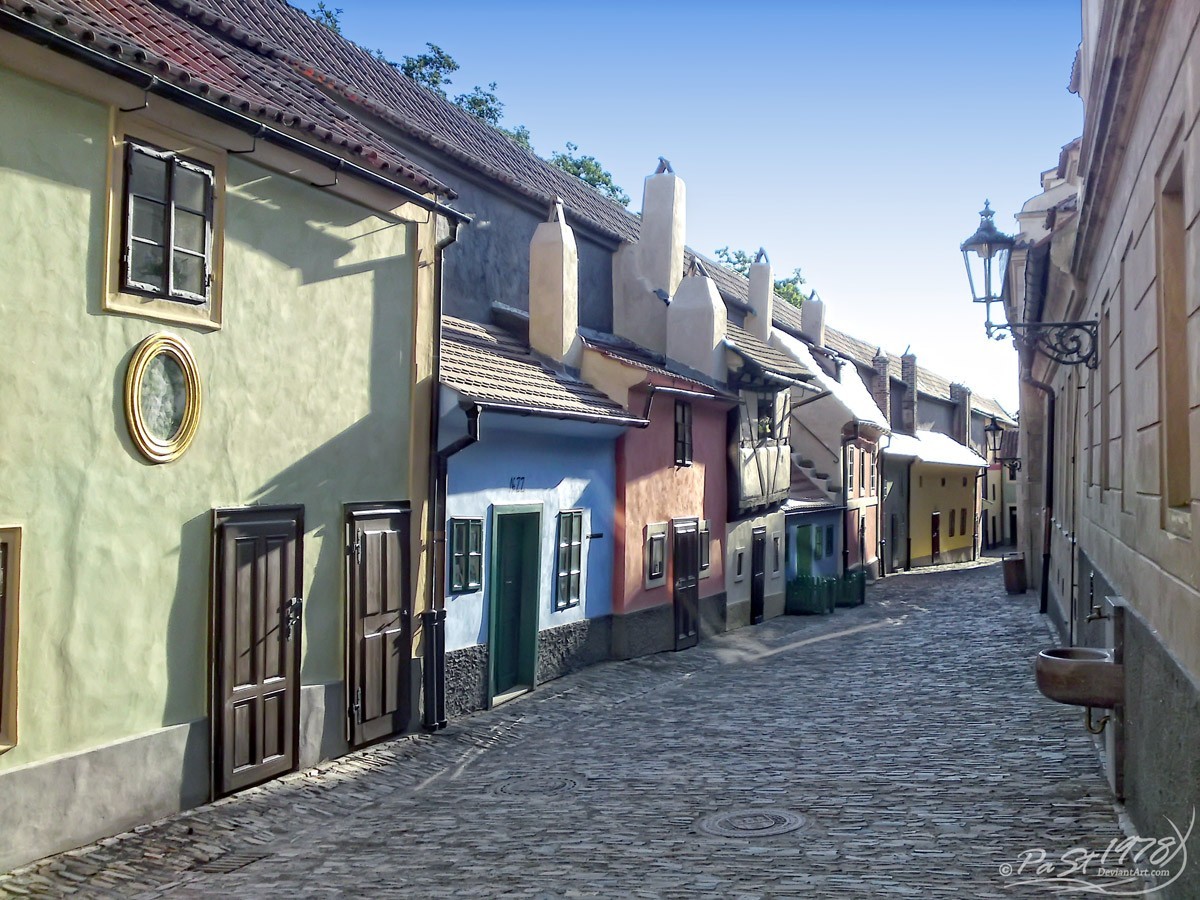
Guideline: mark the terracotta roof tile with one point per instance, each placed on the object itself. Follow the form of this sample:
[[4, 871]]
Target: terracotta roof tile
[[489, 365], [627, 352], [774, 361], [185, 45]]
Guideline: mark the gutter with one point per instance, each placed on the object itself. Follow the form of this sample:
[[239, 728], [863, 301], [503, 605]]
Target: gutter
[[1048, 478], [673, 392], [514, 409], [151, 84]]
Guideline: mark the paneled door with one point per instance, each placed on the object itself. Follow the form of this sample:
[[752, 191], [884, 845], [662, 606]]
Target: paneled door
[[378, 622], [685, 568], [257, 566], [935, 536], [758, 575]]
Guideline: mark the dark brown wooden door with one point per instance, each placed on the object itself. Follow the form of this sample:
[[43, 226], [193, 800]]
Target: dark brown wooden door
[[935, 536], [685, 567], [758, 576], [379, 625], [256, 682]]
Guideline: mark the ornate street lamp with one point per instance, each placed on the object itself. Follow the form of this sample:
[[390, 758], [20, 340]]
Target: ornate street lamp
[[995, 438], [985, 254]]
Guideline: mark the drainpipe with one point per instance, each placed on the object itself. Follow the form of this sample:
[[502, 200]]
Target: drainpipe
[[433, 619], [1048, 478], [977, 537], [880, 540], [846, 509], [908, 528]]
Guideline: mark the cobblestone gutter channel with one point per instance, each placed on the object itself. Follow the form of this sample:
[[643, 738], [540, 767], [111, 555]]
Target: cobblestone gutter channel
[[895, 749]]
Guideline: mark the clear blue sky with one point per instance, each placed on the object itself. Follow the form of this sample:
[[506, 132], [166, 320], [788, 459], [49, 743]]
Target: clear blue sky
[[855, 140]]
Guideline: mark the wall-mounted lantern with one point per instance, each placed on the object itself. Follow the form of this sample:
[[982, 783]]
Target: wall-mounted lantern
[[986, 254]]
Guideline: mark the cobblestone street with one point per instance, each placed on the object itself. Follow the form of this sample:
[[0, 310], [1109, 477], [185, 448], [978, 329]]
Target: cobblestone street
[[895, 749]]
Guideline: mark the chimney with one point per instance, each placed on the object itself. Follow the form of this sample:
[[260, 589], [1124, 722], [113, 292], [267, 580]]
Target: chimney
[[960, 396], [696, 325], [554, 289], [908, 374], [881, 384], [662, 234], [762, 295], [812, 319]]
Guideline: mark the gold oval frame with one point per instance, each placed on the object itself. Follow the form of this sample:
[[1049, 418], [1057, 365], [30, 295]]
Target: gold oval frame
[[151, 447]]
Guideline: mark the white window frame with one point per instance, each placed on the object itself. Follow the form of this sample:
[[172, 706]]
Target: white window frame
[[569, 550]]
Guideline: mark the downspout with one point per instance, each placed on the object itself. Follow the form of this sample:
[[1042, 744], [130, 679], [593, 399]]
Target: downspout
[[977, 531], [433, 618], [880, 540], [908, 518], [1048, 478], [845, 508]]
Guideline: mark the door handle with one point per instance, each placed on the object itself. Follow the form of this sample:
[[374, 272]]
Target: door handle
[[295, 607]]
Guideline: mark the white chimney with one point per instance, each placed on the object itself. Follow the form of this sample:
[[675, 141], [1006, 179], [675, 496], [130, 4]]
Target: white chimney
[[696, 325], [812, 319], [554, 289], [662, 236], [762, 293]]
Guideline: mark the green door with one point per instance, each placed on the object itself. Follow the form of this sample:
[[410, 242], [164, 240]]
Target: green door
[[804, 550], [514, 600]]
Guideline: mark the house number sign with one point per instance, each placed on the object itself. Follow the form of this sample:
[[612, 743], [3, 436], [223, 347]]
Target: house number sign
[[517, 483]]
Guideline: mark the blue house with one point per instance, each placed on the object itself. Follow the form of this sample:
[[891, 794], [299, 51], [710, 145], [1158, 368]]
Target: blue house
[[528, 453]]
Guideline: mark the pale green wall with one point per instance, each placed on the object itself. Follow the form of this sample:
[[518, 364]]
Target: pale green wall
[[306, 396]]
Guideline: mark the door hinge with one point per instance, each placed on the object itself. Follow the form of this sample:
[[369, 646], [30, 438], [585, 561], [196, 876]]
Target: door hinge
[[356, 549], [356, 708]]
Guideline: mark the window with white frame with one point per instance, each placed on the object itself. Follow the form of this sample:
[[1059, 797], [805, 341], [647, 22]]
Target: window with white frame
[[167, 249], [466, 555], [777, 547], [570, 558], [655, 568], [683, 433], [705, 548]]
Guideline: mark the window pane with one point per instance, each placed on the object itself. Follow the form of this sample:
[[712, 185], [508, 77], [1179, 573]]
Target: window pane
[[189, 231], [577, 530], [474, 571], [191, 189], [476, 536], [148, 176], [146, 265], [189, 273], [458, 573], [147, 219]]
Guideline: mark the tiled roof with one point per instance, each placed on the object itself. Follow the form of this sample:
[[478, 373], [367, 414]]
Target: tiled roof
[[490, 366], [376, 86], [631, 354], [988, 407], [188, 47], [774, 361]]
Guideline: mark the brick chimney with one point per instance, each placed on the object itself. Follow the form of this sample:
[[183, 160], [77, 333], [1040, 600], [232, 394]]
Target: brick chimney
[[881, 384], [908, 374], [696, 325], [960, 396], [554, 289], [647, 274], [812, 319], [762, 296]]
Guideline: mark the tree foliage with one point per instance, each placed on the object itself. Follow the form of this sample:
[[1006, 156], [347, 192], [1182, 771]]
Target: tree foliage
[[588, 170], [785, 288], [328, 16], [431, 68], [483, 104]]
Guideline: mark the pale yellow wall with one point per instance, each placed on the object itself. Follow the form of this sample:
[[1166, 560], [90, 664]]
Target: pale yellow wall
[[306, 398], [928, 496]]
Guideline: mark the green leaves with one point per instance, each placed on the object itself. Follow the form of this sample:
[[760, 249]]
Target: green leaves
[[431, 69], [785, 288], [589, 171]]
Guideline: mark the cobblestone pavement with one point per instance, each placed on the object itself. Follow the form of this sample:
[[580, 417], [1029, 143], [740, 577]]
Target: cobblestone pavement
[[896, 749]]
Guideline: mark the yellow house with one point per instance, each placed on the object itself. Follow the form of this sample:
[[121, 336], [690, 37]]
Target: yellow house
[[943, 494], [218, 313]]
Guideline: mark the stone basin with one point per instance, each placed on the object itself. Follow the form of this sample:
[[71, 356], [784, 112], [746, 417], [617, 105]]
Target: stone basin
[[1081, 676]]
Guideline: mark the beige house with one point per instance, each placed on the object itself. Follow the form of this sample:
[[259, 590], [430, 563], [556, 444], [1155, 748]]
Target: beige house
[[1111, 455]]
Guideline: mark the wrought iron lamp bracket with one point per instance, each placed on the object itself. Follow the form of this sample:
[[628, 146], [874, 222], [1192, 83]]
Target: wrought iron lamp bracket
[[1069, 343]]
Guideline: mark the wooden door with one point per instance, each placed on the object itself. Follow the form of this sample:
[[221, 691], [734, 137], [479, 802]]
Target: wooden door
[[935, 536], [758, 575], [514, 601], [379, 623], [804, 550], [1012, 525], [258, 565], [685, 568]]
